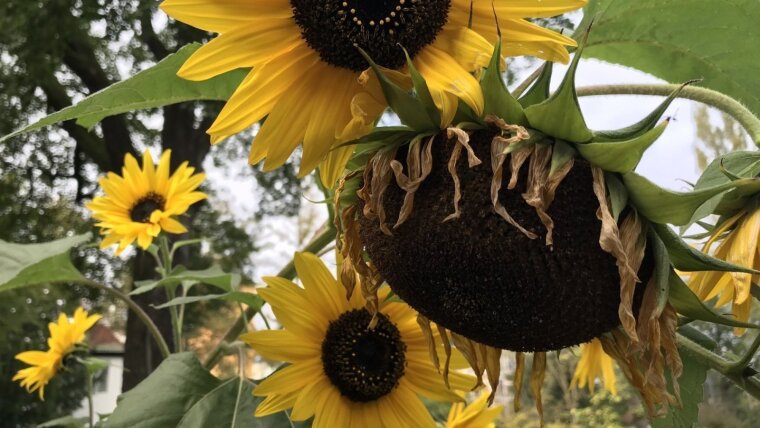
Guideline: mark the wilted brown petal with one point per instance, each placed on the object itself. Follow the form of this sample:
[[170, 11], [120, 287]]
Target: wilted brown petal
[[447, 350], [537, 382], [469, 349], [381, 178], [517, 382], [427, 331], [419, 164], [493, 369]]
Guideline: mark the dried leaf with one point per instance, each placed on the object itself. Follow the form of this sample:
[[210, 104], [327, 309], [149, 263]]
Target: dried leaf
[[381, 178], [463, 141], [541, 188], [537, 382], [427, 331], [419, 162], [517, 382], [447, 350]]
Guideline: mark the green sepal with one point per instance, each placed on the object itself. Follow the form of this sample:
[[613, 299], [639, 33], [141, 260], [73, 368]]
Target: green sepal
[[497, 98], [686, 258], [384, 138], [620, 156], [688, 304], [539, 91], [678, 208], [562, 153], [465, 114], [617, 193], [409, 109], [93, 365], [422, 90], [662, 269], [644, 125], [560, 116]]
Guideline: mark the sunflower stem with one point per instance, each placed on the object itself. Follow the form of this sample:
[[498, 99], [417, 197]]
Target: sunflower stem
[[525, 84], [722, 102], [90, 405], [288, 272], [160, 342], [743, 363], [171, 292], [745, 381]]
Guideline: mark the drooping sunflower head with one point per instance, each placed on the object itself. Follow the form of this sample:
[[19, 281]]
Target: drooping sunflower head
[[341, 371], [142, 202], [306, 63], [44, 365]]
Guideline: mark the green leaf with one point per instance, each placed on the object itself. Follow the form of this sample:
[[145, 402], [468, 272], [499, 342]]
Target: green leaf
[[212, 276], [422, 90], [252, 300], [618, 194], [497, 99], [23, 265], [666, 206], [562, 153], [155, 87], [688, 304], [539, 92], [662, 269], [66, 422], [620, 156], [232, 405], [181, 393], [409, 109], [644, 125], [678, 40], [691, 385], [560, 116], [687, 258]]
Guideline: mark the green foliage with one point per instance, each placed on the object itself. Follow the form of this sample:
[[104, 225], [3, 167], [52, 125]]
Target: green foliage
[[181, 393], [691, 386], [679, 40], [497, 99], [23, 265], [187, 278], [155, 87], [620, 156]]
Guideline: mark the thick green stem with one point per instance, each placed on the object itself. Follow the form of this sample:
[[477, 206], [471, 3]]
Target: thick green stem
[[166, 257], [745, 381], [90, 405], [737, 110], [162, 346], [288, 272]]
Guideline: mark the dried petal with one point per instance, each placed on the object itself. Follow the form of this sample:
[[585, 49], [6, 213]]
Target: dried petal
[[537, 382], [427, 331], [517, 382], [447, 350], [419, 164]]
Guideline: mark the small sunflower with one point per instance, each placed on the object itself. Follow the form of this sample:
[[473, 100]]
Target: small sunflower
[[739, 237], [142, 202], [594, 362], [64, 336], [475, 415], [339, 371], [306, 67]]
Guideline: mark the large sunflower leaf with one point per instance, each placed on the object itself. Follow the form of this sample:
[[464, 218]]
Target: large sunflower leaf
[[154, 87], [620, 156], [181, 393], [679, 40], [678, 208], [250, 299], [688, 304], [212, 276], [691, 385], [23, 265]]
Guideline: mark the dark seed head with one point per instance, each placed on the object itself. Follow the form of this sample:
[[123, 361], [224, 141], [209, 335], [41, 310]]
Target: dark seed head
[[482, 278], [142, 210], [334, 28], [363, 364]]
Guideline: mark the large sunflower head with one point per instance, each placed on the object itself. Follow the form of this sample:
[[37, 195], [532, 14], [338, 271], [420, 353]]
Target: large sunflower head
[[341, 371], [142, 202], [306, 65], [44, 365]]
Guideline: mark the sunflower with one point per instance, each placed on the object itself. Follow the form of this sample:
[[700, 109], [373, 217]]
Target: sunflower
[[739, 237], [594, 362], [64, 336], [475, 415], [141, 203], [306, 67], [339, 371]]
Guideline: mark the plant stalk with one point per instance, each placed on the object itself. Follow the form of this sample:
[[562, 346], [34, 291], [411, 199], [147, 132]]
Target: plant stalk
[[288, 272], [90, 405], [722, 102], [166, 257]]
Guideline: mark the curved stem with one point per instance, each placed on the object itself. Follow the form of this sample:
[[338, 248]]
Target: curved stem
[[90, 406], [523, 86], [703, 95], [750, 384], [162, 346], [287, 272]]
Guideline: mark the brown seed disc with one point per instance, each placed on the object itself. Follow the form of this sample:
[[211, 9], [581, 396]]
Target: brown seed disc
[[482, 278]]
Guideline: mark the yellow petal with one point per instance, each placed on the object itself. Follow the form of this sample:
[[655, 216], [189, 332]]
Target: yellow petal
[[442, 72], [281, 345], [291, 378], [222, 15]]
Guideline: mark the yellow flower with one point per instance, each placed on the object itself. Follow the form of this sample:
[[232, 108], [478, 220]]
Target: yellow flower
[[140, 203], [593, 363], [64, 336], [475, 415], [339, 371], [305, 75], [740, 246]]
